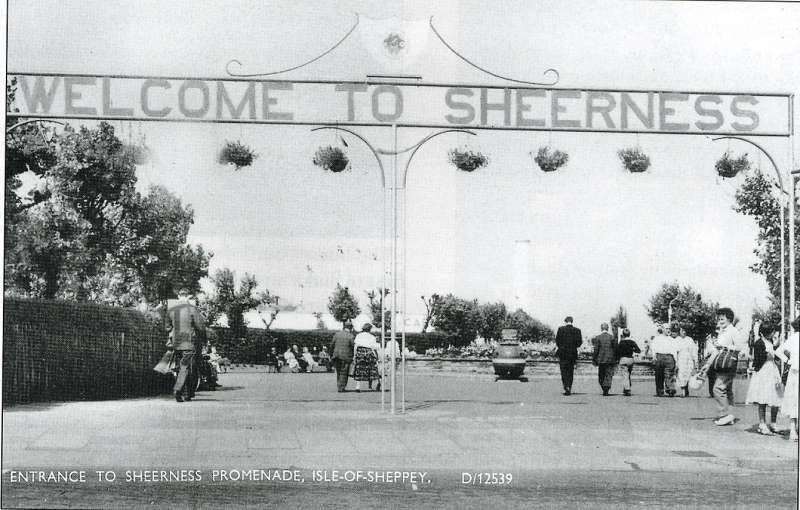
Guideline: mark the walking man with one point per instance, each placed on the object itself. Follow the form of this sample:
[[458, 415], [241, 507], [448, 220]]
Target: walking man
[[625, 351], [342, 353], [732, 345], [604, 357], [665, 352], [568, 339], [187, 332]]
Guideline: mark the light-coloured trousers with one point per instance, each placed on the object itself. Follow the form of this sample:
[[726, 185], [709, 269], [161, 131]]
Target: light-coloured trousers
[[625, 369], [723, 391]]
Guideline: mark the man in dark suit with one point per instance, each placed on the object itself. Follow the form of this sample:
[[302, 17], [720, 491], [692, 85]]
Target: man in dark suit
[[342, 354], [568, 339], [604, 357]]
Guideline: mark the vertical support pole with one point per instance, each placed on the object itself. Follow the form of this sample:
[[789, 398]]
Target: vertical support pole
[[783, 268], [383, 303], [403, 324], [792, 205], [394, 261]]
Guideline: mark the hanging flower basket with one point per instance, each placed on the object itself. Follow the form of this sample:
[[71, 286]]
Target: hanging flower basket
[[467, 160], [728, 167], [550, 161], [237, 154], [634, 160], [331, 158]]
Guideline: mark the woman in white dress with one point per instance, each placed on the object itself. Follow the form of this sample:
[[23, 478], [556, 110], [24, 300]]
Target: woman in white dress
[[791, 350], [765, 385], [687, 360]]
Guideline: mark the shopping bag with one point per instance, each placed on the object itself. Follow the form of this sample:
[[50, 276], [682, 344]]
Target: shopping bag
[[167, 363], [696, 381]]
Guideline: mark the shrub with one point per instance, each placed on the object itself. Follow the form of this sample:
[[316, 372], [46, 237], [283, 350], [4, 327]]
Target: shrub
[[59, 350], [550, 161], [634, 160], [467, 160], [332, 159], [728, 167], [237, 154]]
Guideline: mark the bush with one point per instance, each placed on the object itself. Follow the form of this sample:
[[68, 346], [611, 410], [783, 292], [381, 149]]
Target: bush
[[59, 350], [254, 347]]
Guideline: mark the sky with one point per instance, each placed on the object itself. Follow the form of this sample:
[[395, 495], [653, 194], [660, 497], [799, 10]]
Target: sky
[[581, 241]]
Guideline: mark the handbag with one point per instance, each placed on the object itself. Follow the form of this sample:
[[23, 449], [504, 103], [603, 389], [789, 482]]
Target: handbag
[[166, 364], [726, 360], [696, 381]]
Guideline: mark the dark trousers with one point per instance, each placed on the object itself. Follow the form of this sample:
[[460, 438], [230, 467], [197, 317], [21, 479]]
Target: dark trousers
[[186, 382], [664, 366], [567, 371], [605, 372], [342, 371]]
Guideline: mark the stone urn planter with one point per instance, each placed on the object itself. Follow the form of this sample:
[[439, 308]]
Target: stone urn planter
[[509, 361]]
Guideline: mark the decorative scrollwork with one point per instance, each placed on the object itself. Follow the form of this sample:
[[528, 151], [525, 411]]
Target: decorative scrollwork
[[271, 73], [465, 59]]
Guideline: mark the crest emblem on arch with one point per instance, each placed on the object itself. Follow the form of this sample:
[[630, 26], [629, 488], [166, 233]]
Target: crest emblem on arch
[[394, 43]]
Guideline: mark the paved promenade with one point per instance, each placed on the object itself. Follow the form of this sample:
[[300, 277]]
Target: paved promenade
[[454, 424]]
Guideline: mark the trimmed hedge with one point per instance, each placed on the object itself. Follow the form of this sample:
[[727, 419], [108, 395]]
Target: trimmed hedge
[[59, 350], [254, 347]]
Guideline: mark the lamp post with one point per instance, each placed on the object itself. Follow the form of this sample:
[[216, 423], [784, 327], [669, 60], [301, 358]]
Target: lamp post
[[669, 311], [792, 268], [398, 183]]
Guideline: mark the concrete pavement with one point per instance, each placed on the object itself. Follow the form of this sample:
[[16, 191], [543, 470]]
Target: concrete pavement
[[454, 424]]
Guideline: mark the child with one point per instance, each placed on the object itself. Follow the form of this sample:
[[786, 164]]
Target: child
[[765, 385]]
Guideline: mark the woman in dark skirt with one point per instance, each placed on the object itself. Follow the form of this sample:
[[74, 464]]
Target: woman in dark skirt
[[366, 358]]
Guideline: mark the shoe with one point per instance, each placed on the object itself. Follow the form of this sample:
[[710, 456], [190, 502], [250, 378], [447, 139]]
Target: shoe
[[728, 419], [605, 393], [764, 430], [567, 393], [627, 393], [178, 397], [773, 428]]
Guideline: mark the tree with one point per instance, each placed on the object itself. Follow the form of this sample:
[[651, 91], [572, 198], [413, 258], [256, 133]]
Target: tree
[[689, 311], [153, 245], [619, 320], [320, 322], [342, 304], [431, 308], [232, 302], [755, 198], [50, 246], [528, 328], [84, 232], [457, 318], [491, 319], [376, 300]]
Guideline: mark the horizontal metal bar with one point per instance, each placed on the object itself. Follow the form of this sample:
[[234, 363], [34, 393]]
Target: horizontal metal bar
[[404, 84], [400, 125]]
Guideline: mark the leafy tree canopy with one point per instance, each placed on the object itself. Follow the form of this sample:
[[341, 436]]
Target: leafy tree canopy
[[342, 304], [689, 310]]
